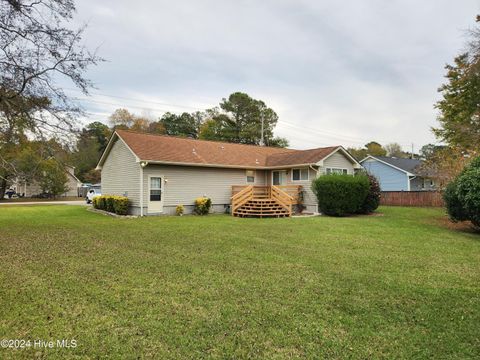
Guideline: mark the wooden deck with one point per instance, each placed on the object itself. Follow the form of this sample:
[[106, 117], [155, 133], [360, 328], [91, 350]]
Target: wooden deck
[[264, 201]]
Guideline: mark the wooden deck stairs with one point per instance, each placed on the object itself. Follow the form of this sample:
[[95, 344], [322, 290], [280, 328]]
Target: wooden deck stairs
[[261, 201]]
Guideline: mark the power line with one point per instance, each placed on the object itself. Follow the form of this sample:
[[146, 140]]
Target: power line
[[140, 100], [323, 133]]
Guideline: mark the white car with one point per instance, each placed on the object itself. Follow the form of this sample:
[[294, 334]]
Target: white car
[[92, 193]]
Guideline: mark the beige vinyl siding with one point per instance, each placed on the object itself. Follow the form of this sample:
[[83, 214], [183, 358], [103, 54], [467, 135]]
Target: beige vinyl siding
[[186, 183], [338, 161], [260, 177], [121, 173], [309, 198]]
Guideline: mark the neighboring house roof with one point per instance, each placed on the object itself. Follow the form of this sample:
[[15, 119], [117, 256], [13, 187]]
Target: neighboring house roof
[[410, 166], [175, 150]]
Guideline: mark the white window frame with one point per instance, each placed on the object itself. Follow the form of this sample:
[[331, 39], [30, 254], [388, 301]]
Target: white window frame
[[300, 169], [254, 176], [344, 171]]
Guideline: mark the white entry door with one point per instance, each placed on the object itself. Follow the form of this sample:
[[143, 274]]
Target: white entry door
[[155, 194], [279, 177]]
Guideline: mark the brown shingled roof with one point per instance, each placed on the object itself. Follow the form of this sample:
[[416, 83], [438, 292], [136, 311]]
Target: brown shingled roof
[[169, 149]]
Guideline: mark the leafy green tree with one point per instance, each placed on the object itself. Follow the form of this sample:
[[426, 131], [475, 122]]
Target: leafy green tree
[[459, 107], [180, 125], [53, 178], [101, 132]]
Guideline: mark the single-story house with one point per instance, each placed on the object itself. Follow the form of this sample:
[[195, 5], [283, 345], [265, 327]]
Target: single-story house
[[31, 188], [158, 172], [397, 174]]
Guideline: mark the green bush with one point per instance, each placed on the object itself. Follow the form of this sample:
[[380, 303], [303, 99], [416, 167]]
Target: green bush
[[202, 206], [111, 203], [453, 203], [462, 196], [340, 194], [373, 197]]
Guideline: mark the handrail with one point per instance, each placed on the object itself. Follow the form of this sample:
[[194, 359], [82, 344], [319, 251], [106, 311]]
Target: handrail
[[241, 198], [282, 198]]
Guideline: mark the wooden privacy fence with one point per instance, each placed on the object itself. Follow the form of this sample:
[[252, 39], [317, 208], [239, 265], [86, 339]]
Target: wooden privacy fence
[[412, 198]]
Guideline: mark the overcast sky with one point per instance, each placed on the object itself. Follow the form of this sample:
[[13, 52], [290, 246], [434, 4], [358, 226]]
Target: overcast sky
[[336, 72]]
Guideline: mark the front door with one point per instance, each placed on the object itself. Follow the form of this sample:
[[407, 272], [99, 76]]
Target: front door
[[279, 177], [155, 194]]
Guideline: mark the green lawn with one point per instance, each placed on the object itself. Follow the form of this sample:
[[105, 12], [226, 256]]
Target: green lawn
[[400, 285]]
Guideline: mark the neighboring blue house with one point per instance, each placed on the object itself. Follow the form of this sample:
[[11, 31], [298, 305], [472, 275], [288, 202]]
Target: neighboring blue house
[[397, 174]]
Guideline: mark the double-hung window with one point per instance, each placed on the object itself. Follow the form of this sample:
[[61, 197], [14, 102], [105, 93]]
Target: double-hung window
[[299, 174], [336, 171]]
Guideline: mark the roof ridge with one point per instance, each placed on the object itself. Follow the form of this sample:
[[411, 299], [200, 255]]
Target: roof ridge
[[226, 142], [210, 141]]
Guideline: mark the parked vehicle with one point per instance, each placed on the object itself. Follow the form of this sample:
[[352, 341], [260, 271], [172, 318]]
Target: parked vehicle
[[9, 193], [93, 192]]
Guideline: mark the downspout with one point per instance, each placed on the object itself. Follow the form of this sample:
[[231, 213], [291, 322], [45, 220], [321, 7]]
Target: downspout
[[316, 171], [142, 165], [141, 189]]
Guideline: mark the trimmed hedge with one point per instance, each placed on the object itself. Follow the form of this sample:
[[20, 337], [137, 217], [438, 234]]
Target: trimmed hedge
[[462, 196], [202, 206], [112, 203], [341, 194]]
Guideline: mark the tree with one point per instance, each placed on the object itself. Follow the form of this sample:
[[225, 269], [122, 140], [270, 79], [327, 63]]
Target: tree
[[53, 178], [372, 148], [37, 51], [184, 125], [443, 164], [395, 150], [101, 132], [459, 107]]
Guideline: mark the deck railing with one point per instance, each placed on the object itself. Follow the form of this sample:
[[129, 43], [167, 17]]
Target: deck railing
[[264, 191], [282, 198], [285, 195]]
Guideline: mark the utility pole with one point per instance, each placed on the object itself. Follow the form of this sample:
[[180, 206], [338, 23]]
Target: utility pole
[[412, 152], [262, 143]]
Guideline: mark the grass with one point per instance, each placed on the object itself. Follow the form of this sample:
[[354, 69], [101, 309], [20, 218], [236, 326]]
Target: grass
[[395, 286], [29, 199]]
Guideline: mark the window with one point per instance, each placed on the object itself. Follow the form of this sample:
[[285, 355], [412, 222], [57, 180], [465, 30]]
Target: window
[[299, 174], [250, 176], [155, 189], [336, 171]]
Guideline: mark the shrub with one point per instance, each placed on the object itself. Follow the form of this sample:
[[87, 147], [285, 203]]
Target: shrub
[[202, 206], [179, 210], [453, 203], [340, 194], [462, 196], [114, 204], [120, 205], [373, 197], [109, 203]]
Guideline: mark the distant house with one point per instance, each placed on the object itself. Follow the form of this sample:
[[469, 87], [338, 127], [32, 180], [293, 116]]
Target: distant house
[[31, 188], [158, 172], [397, 174]]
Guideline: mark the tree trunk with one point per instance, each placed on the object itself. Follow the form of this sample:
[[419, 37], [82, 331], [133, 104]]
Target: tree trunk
[[3, 188]]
